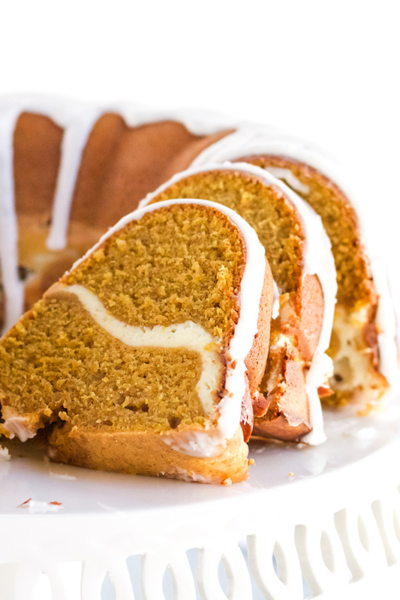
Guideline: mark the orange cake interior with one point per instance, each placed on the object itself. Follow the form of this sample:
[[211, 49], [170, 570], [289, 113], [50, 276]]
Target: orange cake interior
[[354, 345], [61, 369], [282, 411]]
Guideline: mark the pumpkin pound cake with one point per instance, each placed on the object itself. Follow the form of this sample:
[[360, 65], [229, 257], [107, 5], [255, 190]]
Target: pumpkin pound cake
[[145, 358], [297, 248]]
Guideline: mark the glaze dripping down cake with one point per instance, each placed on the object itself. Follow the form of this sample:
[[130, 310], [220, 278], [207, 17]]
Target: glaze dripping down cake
[[146, 357]]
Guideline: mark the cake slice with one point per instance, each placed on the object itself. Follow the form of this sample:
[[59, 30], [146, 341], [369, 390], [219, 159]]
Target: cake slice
[[298, 250], [363, 367], [363, 345], [145, 358]]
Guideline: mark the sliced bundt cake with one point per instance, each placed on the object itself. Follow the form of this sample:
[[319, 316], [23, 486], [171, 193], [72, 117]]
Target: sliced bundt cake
[[146, 357], [298, 251], [363, 345]]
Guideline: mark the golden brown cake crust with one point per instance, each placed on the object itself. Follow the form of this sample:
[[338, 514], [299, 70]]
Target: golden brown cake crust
[[126, 163], [287, 417], [301, 316], [256, 360], [37, 154], [257, 357], [146, 454]]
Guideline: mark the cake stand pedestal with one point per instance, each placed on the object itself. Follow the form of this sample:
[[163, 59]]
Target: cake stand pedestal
[[322, 521]]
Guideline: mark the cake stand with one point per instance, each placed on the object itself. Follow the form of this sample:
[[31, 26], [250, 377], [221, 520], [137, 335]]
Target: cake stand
[[310, 521]]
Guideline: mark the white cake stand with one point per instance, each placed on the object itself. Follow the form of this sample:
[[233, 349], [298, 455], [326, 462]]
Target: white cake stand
[[321, 521]]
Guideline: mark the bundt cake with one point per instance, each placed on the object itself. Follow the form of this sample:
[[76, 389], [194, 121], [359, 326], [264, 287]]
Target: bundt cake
[[146, 357], [298, 251], [70, 170], [363, 345]]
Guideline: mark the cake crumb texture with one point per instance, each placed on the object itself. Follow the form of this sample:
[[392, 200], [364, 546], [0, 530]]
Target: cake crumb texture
[[265, 208]]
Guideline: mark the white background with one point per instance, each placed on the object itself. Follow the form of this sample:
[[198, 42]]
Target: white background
[[327, 70]]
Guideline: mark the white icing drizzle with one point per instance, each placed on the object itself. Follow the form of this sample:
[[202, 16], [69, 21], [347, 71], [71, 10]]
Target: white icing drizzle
[[16, 425], [211, 442], [289, 178], [74, 141], [13, 287], [182, 335], [387, 325], [318, 260], [254, 140], [275, 305], [197, 122]]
